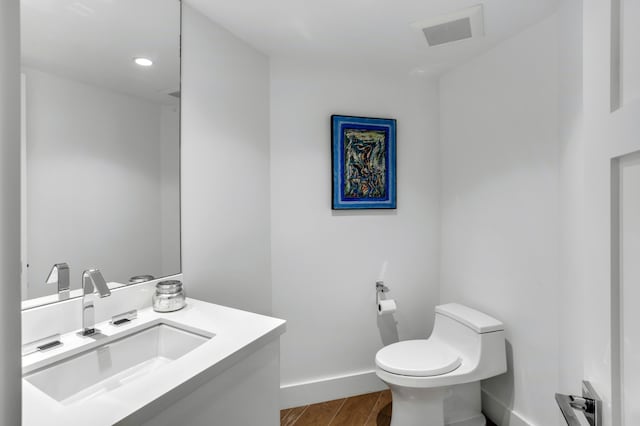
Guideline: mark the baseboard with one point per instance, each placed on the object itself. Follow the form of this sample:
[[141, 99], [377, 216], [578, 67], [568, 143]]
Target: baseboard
[[499, 413], [329, 388]]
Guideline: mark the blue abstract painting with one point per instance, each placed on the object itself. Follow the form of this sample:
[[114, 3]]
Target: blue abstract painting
[[364, 162]]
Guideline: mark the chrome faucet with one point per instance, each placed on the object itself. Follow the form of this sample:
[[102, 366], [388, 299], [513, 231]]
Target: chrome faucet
[[92, 280], [60, 275]]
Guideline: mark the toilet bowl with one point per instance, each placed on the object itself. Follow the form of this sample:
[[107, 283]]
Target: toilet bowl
[[436, 381]]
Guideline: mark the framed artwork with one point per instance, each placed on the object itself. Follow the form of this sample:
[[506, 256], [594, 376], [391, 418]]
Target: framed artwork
[[363, 162]]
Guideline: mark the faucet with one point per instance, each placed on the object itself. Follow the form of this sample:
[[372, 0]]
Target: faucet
[[92, 280], [60, 275]]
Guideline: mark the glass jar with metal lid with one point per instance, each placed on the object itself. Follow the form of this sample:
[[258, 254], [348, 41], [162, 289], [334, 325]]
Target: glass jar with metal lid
[[169, 296]]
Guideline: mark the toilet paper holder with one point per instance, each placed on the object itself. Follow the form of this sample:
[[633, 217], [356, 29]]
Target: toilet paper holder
[[380, 288], [384, 306]]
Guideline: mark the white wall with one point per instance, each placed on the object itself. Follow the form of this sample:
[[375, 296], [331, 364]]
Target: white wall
[[325, 263], [225, 167], [10, 371], [500, 208], [94, 156]]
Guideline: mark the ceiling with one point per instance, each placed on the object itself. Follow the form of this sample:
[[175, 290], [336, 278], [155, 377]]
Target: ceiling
[[95, 41], [370, 32]]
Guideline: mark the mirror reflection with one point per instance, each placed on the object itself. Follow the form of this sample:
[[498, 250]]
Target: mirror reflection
[[100, 144]]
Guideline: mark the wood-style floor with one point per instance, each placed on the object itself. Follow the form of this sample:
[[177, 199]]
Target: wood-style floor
[[372, 409]]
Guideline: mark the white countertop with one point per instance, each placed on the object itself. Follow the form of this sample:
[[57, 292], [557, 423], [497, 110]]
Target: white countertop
[[237, 334]]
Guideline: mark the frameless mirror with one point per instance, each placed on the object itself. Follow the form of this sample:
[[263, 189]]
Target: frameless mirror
[[100, 141]]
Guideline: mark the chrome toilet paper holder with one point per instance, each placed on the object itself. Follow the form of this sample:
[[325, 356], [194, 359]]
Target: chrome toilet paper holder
[[380, 288]]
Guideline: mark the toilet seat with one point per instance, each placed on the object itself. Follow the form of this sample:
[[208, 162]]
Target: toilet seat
[[418, 358]]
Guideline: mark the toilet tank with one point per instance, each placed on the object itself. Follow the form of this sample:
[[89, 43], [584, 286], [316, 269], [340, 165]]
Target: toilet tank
[[478, 337]]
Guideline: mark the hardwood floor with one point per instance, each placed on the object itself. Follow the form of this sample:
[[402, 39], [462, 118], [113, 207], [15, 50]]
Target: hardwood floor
[[372, 409]]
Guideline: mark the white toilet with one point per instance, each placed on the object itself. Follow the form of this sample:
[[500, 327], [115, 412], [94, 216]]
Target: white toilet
[[436, 381]]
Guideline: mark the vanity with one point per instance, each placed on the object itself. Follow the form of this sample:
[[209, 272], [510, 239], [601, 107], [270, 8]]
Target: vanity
[[204, 364]]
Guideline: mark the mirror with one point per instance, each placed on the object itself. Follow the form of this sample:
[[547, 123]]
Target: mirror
[[100, 141]]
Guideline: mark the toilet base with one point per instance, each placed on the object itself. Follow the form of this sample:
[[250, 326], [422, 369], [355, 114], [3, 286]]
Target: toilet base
[[457, 405], [417, 407]]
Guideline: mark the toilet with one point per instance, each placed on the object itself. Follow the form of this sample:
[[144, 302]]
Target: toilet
[[436, 381]]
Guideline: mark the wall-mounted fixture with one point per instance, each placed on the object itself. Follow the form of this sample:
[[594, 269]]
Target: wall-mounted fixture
[[385, 306], [133, 80]]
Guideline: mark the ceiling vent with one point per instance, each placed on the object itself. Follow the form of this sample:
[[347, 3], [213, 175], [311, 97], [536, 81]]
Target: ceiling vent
[[462, 25]]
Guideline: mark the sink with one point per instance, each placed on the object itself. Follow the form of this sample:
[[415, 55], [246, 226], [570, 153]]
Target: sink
[[114, 361]]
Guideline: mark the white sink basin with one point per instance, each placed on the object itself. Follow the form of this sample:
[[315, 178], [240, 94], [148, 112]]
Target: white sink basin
[[114, 362]]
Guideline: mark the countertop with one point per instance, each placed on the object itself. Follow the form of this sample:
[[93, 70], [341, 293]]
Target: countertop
[[237, 334]]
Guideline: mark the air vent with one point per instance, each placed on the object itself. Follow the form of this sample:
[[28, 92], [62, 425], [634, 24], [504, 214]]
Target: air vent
[[448, 32], [453, 27]]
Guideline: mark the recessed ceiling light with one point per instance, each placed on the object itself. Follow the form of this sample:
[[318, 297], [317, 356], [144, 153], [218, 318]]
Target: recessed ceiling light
[[143, 62]]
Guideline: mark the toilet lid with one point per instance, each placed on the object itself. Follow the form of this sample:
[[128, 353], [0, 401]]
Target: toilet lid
[[419, 358]]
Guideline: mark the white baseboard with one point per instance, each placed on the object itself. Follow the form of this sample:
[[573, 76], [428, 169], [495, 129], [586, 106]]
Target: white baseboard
[[499, 413], [329, 388]]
